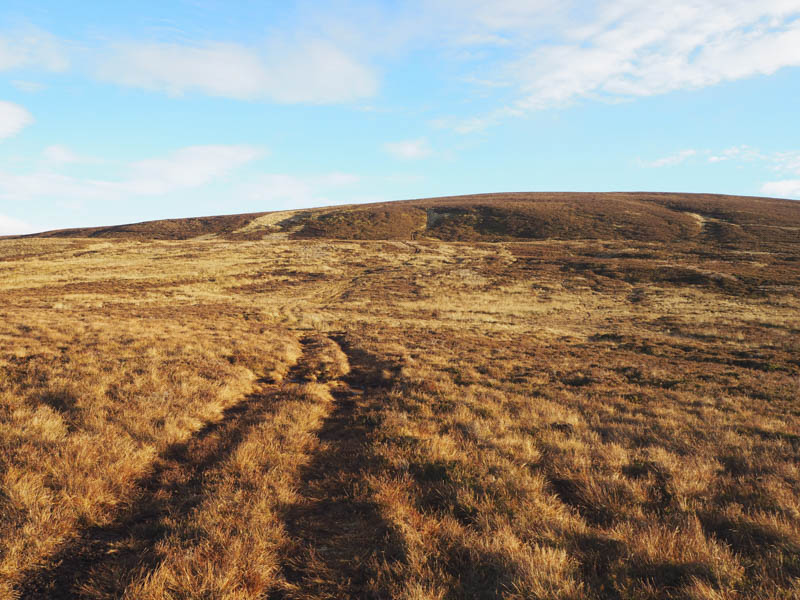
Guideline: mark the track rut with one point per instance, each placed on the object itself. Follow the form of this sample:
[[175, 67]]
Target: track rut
[[340, 540], [337, 536]]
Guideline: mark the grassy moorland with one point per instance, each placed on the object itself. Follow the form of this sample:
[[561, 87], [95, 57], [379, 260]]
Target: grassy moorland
[[552, 396]]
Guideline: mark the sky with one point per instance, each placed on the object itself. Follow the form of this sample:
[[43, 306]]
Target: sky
[[119, 112]]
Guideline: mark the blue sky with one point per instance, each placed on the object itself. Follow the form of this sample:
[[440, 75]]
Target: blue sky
[[116, 112]]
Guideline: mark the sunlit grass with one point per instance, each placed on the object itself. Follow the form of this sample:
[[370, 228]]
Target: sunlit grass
[[534, 420]]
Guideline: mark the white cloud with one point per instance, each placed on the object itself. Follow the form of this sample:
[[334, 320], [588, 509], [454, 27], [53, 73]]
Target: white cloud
[[785, 161], [305, 69], [550, 52], [743, 153], [283, 191], [29, 186], [669, 161], [13, 118], [558, 53], [11, 226], [336, 179], [279, 190], [479, 16], [32, 47], [187, 168], [482, 39], [190, 167], [312, 71], [649, 50], [62, 155], [409, 149], [30, 87], [788, 188]]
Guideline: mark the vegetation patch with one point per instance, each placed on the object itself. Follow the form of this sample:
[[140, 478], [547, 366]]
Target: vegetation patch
[[380, 223]]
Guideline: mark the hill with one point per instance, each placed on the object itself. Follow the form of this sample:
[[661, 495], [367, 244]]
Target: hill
[[547, 396], [730, 220]]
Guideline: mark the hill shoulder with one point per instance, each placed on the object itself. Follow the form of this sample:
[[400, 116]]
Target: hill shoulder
[[636, 216]]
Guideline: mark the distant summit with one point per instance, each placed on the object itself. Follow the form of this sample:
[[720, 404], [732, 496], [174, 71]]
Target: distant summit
[[644, 217]]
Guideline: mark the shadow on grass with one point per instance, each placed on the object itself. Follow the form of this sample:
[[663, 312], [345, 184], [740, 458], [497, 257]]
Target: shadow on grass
[[106, 558], [341, 544]]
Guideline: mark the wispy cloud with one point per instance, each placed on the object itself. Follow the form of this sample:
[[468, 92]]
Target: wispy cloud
[[301, 69], [13, 118], [786, 163], [624, 49], [409, 149], [311, 71], [11, 226], [190, 167], [285, 191], [502, 17], [787, 188], [783, 161], [62, 155], [539, 54], [668, 161], [32, 47], [29, 87], [187, 168], [740, 153]]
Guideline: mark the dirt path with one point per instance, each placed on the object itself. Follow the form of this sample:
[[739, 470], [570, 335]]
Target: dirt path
[[394, 277], [339, 541], [341, 544]]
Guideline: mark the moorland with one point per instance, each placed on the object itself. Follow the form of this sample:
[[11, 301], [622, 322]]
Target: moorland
[[498, 396]]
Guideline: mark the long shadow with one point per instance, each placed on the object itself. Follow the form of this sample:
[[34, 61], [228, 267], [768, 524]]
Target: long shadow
[[341, 545], [108, 557]]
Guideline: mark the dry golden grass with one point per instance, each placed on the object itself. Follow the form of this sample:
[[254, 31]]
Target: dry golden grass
[[421, 420]]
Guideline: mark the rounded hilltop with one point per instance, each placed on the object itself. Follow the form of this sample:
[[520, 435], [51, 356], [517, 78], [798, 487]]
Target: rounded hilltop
[[639, 216]]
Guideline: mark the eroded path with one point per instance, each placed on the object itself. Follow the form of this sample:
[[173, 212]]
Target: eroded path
[[341, 545], [331, 540]]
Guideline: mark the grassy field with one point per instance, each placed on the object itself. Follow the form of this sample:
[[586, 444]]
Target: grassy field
[[419, 418]]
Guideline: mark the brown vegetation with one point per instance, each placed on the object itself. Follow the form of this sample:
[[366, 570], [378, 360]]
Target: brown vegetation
[[242, 419], [734, 221]]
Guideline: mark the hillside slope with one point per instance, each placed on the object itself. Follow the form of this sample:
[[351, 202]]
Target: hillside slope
[[643, 217], [314, 419]]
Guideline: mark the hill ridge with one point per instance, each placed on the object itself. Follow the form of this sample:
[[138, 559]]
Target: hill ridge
[[509, 216]]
